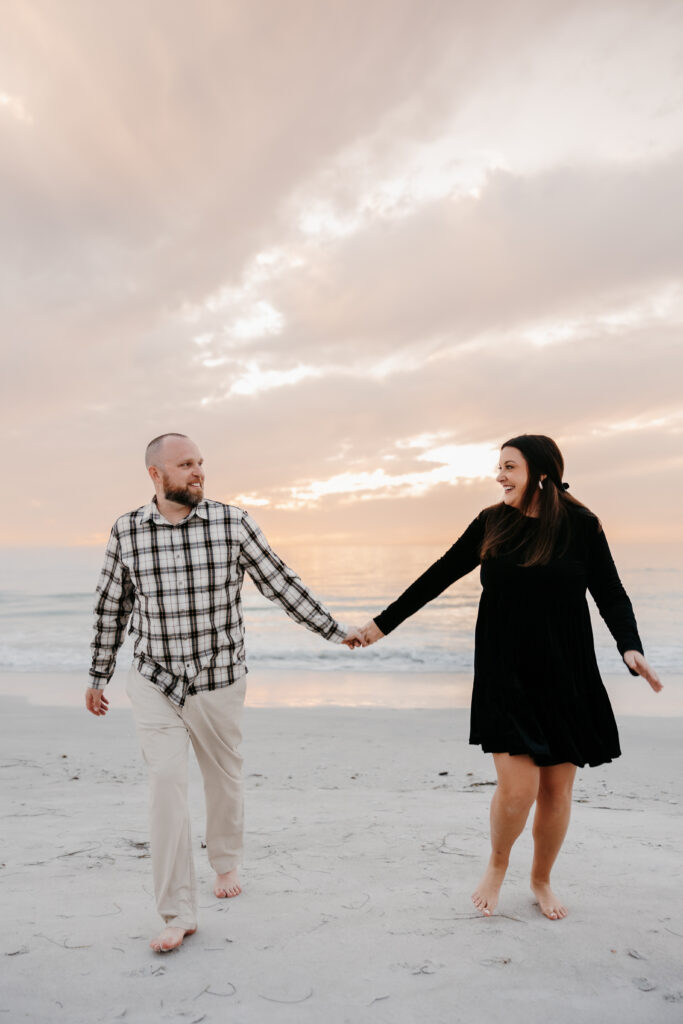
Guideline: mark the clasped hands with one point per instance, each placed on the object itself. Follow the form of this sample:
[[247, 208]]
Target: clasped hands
[[363, 636]]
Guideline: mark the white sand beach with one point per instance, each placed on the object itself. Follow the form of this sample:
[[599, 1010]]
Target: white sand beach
[[366, 832]]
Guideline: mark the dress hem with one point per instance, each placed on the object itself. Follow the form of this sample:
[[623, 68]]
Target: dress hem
[[546, 762]]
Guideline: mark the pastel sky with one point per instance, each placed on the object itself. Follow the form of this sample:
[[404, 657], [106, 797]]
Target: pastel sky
[[349, 246]]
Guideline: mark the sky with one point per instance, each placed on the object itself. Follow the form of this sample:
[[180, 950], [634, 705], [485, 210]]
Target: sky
[[349, 247]]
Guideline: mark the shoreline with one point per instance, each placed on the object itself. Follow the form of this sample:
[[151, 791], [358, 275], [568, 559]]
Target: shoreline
[[280, 688]]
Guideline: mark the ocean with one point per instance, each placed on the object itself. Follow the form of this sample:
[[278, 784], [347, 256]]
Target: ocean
[[46, 598]]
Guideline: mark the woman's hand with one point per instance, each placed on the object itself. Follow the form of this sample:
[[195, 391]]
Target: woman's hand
[[371, 633], [354, 638], [637, 663]]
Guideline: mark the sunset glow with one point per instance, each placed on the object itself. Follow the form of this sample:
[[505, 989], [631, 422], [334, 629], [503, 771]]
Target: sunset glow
[[348, 261]]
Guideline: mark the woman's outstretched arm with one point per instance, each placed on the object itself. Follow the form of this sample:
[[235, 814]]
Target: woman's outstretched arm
[[616, 609], [460, 559]]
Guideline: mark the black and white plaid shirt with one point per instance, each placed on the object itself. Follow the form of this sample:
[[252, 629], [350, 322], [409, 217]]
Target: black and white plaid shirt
[[180, 586]]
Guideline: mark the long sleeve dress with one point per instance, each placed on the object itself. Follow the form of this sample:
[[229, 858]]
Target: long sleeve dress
[[537, 688]]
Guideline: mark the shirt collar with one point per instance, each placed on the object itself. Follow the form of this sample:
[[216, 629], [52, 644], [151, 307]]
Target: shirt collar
[[151, 513]]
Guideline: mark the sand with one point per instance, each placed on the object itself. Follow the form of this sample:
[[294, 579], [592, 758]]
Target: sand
[[366, 832]]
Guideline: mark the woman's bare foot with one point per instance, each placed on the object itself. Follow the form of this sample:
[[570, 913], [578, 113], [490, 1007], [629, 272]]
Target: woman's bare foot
[[485, 896], [170, 938], [227, 885], [553, 908]]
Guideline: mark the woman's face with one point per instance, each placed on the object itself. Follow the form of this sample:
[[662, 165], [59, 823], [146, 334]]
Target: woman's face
[[512, 475]]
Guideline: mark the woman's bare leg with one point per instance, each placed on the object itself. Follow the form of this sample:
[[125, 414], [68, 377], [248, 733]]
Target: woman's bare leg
[[518, 783], [553, 809]]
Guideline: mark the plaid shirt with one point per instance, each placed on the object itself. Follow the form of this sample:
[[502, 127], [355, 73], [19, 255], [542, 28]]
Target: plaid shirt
[[180, 587]]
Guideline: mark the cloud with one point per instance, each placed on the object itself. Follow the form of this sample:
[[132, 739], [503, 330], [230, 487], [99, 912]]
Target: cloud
[[309, 234], [454, 463], [14, 106], [526, 250]]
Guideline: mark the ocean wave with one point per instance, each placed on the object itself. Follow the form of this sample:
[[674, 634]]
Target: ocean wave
[[75, 658], [47, 627]]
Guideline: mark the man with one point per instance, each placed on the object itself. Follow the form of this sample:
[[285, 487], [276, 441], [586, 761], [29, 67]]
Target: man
[[175, 568]]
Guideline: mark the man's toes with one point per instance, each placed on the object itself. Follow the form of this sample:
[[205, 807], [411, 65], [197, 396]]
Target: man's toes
[[222, 894], [164, 943]]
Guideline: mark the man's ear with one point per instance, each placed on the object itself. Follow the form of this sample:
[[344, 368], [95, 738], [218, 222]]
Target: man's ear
[[155, 474]]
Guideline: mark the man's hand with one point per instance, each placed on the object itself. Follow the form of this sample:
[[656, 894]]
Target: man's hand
[[636, 661], [96, 702], [354, 638], [371, 633]]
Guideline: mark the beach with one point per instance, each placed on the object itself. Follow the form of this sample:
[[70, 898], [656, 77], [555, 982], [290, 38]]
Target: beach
[[366, 830]]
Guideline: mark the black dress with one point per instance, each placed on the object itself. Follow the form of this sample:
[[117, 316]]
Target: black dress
[[537, 688]]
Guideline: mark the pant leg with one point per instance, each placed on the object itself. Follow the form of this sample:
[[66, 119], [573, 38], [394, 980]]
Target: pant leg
[[164, 741], [214, 721]]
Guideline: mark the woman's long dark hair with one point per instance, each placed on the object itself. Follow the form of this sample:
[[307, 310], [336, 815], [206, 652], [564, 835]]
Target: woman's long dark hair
[[552, 504]]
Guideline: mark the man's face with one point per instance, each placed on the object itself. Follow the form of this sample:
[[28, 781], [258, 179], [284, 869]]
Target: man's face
[[182, 473]]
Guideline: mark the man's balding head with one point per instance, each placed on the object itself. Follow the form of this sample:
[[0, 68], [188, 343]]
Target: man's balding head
[[154, 453]]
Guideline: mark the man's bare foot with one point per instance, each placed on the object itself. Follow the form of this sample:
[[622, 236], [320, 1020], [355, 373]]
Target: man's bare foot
[[485, 896], [170, 938], [548, 901], [227, 885]]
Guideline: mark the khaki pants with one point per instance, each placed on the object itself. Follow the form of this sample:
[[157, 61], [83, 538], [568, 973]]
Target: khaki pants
[[211, 721]]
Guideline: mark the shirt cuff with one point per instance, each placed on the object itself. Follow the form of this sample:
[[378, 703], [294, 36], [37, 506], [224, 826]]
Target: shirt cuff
[[98, 682], [339, 634], [383, 624]]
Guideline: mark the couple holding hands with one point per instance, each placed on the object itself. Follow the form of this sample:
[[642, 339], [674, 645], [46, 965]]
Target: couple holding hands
[[174, 569]]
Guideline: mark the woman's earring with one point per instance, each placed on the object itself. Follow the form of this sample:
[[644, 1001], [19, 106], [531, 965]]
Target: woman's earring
[[540, 484]]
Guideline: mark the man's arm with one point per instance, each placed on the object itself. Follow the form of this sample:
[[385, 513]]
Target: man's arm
[[115, 594], [280, 584]]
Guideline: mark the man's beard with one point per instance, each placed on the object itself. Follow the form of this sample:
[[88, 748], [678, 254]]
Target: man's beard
[[182, 496]]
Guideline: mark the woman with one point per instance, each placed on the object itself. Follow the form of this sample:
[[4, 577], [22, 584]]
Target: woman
[[538, 702]]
